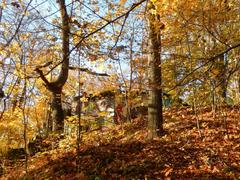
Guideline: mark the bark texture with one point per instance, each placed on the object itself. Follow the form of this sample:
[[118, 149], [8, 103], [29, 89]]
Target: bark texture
[[155, 116], [56, 86]]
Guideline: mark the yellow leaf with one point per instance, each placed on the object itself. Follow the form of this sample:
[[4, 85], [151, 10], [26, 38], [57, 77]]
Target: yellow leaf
[[153, 1], [122, 2]]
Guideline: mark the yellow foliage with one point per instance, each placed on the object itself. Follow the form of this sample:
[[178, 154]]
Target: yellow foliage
[[122, 2]]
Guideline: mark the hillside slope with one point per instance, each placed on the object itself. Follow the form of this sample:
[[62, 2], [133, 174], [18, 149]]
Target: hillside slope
[[125, 152]]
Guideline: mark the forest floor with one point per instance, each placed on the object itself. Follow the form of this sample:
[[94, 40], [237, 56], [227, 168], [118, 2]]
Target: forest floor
[[124, 152]]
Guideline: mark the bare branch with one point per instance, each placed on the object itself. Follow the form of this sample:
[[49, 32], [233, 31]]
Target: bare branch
[[88, 71]]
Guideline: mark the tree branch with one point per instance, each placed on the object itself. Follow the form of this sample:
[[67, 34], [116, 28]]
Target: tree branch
[[42, 76], [88, 71], [135, 5], [19, 25], [211, 59]]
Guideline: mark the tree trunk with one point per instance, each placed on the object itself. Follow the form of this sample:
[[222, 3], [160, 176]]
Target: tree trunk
[[222, 77], [57, 112], [155, 115], [56, 86]]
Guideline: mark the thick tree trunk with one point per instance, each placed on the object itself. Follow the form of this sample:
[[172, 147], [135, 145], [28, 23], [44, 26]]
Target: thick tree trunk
[[55, 87], [57, 112], [221, 65], [155, 116], [223, 78]]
